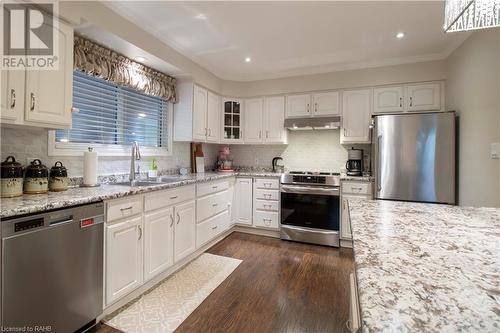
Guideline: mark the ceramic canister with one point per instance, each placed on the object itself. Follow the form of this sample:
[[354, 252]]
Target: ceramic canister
[[11, 178], [58, 179], [36, 179]]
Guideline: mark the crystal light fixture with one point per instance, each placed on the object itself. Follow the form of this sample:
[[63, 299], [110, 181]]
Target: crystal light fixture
[[463, 15]]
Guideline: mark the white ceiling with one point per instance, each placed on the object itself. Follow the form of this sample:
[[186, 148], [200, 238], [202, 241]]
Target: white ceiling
[[295, 38]]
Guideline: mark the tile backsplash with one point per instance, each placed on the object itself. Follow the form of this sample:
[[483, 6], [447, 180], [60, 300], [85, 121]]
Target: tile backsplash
[[306, 150], [30, 143]]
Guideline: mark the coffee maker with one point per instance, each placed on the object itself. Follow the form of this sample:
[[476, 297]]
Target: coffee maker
[[354, 163]]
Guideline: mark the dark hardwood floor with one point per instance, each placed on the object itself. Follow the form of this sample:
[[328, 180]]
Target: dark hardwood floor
[[279, 287]]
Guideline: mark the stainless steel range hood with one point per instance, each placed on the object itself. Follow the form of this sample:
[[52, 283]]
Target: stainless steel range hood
[[312, 123]]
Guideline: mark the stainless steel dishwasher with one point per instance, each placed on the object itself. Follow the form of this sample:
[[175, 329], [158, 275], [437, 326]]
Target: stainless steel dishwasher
[[52, 269]]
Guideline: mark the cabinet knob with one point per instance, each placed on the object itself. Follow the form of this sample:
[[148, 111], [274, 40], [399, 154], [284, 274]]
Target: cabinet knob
[[315, 107], [411, 101], [308, 107], [400, 102], [140, 232], [32, 97], [178, 218]]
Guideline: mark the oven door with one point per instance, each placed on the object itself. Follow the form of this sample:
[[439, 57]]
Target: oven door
[[315, 207]]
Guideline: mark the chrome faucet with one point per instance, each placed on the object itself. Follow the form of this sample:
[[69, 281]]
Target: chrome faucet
[[135, 156]]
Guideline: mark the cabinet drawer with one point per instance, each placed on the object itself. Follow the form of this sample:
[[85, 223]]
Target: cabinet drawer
[[267, 183], [211, 187], [266, 219], [211, 205], [209, 229], [120, 208], [272, 206], [266, 194], [357, 188], [167, 198]]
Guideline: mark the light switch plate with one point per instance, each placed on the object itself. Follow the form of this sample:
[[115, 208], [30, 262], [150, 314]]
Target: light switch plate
[[495, 150]]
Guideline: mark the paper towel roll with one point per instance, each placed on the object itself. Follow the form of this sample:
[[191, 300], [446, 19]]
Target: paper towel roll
[[90, 168]]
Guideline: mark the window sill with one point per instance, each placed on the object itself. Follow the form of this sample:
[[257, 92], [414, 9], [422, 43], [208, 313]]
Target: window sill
[[77, 149]]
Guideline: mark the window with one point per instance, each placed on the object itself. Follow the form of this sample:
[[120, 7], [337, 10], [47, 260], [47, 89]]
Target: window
[[109, 118]]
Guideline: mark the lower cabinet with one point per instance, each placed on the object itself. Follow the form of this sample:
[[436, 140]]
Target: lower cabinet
[[266, 203], [352, 190], [184, 230], [158, 241], [243, 201], [123, 257], [211, 228]]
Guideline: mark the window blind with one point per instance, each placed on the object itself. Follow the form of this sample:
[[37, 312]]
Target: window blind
[[114, 115]]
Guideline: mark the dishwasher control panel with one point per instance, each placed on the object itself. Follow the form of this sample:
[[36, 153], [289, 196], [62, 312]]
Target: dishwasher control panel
[[30, 224]]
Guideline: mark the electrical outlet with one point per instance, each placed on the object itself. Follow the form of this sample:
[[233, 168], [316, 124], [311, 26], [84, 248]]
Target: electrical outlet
[[495, 150]]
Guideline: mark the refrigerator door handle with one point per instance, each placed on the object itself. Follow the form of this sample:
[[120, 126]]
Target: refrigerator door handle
[[377, 163]]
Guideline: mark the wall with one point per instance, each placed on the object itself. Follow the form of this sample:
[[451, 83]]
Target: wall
[[472, 90], [414, 72], [306, 151]]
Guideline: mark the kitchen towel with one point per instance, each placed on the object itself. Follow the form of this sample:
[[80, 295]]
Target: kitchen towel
[[90, 167]]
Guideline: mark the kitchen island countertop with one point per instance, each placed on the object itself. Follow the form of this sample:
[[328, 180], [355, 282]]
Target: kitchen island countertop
[[74, 196], [426, 267]]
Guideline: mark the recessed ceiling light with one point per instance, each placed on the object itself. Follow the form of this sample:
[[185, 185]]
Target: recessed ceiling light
[[248, 59], [140, 59], [400, 35], [201, 16]]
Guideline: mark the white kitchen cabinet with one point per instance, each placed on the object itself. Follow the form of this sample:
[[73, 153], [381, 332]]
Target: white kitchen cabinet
[[254, 109], [266, 203], [298, 106], [124, 262], [213, 111], [232, 121], [326, 104], [158, 241], [196, 115], [356, 116], [243, 201], [41, 98], [200, 96], [388, 99], [184, 230], [424, 97], [274, 120], [12, 98]]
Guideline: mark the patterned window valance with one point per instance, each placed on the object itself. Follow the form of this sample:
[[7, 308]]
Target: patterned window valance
[[97, 60]]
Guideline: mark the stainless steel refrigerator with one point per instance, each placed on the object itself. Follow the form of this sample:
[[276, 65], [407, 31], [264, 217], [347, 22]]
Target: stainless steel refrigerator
[[414, 157]]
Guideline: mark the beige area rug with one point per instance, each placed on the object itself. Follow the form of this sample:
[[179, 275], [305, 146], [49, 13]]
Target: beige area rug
[[168, 304]]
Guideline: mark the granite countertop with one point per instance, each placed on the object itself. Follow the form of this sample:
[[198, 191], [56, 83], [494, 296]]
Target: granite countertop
[[426, 267], [28, 204]]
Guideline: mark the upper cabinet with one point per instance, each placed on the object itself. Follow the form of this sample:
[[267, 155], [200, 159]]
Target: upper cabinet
[[41, 98], [274, 120], [232, 121], [298, 106], [408, 98], [356, 116], [196, 115], [254, 109], [326, 104], [313, 105], [388, 99], [424, 97]]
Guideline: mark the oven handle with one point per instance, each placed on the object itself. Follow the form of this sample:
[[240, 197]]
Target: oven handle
[[333, 191]]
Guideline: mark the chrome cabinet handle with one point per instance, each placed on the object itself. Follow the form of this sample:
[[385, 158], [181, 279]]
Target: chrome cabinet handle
[[345, 132], [215, 187], [140, 232], [411, 101], [32, 97], [315, 107], [171, 220], [12, 98], [126, 208], [215, 205], [400, 102], [174, 197], [308, 107], [178, 218], [213, 228]]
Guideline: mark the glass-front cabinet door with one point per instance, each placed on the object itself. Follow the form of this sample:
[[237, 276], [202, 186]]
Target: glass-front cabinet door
[[232, 120]]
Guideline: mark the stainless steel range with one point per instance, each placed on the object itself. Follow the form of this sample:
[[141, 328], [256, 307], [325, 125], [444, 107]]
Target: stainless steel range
[[310, 207]]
